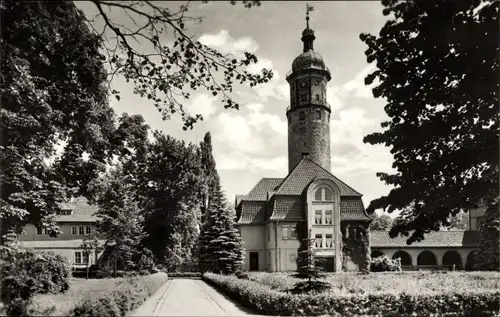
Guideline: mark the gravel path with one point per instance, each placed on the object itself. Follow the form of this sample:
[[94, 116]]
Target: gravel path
[[189, 297]]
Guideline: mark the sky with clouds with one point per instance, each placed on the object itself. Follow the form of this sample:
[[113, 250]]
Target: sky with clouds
[[252, 143]]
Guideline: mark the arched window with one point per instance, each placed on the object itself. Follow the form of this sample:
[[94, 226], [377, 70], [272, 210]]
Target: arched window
[[323, 193], [328, 194], [317, 195]]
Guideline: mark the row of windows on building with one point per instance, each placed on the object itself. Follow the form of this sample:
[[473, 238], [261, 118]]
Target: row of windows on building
[[75, 230], [323, 240], [323, 217]]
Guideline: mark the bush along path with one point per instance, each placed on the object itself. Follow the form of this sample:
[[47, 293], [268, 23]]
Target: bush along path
[[189, 297], [263, 299]]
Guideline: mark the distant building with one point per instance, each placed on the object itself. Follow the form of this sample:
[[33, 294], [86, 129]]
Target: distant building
[[76, 221], [268, 215]]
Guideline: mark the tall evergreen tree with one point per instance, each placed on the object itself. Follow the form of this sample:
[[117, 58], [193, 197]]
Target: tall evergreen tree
[[220, 242], [220, 247], [309, 268]]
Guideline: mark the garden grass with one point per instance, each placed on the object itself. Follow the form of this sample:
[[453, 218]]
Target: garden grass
[[80, 289]]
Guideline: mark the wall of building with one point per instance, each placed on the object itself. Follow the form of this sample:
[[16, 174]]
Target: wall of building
[[31, 232], [254, 238], [287, 249], [415, 252]]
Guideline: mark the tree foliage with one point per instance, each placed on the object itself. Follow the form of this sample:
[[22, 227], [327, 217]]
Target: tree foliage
[[381, 222], [172, 199], [51, 87], [220, 242], [169, 73], [309, 268], [220, 246], [438, 69], [120, 222]]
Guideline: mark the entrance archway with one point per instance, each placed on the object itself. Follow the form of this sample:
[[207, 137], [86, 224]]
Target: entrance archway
[[426, 260], [376, 254], [452, 258], [405, 259]]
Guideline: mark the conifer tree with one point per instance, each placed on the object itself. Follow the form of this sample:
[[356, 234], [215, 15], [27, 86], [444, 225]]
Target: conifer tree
[[220, 241], [309, 268], [220, 247]]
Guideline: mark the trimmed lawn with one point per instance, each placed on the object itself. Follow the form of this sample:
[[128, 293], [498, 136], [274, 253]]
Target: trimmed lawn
[[79, 290], [394, 283]]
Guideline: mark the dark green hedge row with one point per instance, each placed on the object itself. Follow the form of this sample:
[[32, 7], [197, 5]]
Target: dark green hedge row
[[272, 302], [128, 296], [184, 274]]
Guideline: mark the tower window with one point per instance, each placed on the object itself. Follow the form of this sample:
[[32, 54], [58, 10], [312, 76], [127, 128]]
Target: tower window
[[302, 115], [317, 97], [318, 114]]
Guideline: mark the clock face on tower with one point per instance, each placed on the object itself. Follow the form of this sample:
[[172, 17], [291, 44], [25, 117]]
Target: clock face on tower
[[303, 83]]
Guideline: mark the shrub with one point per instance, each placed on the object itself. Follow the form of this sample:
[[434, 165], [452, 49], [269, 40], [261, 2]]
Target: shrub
[[129, 295], [272, 302], [384, 264], [242, 275], [25, 273], [184, 274]]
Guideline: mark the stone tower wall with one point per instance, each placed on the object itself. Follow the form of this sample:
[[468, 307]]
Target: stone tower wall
[[309, 132]]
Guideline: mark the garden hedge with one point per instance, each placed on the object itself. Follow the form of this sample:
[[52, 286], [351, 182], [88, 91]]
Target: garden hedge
[[128, 296], [185, 274], [273, 302]]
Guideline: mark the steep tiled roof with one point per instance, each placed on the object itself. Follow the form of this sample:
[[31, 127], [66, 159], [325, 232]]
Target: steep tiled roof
[[433, 239], [304, 173], [81, 211], [56, 244], [352, 209], [287, 208], [252, 212], [260, 190]]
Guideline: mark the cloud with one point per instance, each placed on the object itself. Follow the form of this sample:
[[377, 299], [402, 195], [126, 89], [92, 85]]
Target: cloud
[[202, 103], [225, 43], [337, 94], [349, 153], [251, 138]]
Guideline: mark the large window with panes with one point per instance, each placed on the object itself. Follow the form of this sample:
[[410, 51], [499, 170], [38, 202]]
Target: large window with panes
[[289, 232], [80, 230], [80, 257]]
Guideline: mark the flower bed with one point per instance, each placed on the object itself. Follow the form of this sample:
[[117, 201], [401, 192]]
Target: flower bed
[[101, 297], [270, 301]]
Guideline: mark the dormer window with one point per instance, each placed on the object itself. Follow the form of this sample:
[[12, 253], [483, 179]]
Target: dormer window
[[64, 212]]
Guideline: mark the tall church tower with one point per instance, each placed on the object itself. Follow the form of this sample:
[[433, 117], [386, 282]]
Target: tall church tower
[[308, 114]]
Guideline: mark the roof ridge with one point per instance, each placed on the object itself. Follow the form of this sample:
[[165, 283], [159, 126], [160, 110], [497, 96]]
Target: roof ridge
[[306, 158], [288, 176]]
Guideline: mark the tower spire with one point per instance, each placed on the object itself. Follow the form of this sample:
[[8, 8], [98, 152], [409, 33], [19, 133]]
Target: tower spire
[[308, 34]]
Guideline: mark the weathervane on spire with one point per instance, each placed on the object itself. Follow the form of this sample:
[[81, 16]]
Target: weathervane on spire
[[308, 9]]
